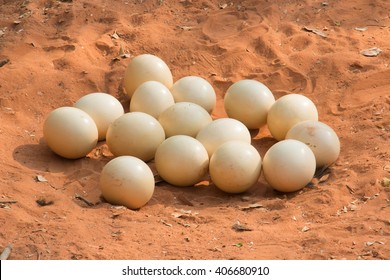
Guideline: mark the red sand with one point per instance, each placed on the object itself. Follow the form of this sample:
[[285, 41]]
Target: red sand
[[59, 51]]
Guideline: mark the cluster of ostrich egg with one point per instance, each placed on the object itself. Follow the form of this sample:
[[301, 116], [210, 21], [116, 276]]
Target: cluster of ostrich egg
[[170, 122]]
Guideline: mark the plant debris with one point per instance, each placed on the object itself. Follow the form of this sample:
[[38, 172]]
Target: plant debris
[[251, 206], [8, 201], [40, 178], [385, 182], [316, 31], [6, 252], [239, 227], [3, 61], [361, 29], [238, 245], [165, 223], [115, 35], [305, 228], [223, 6], [43, 202], [184, 27], [79, 197], [371, 52], [184, 214], [122, 54]]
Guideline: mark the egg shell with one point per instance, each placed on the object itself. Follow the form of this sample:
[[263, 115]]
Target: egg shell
[[151, 97], [70, 132], [184, 118], [135, 134], [143, 68], [320, 138], [287, 111], [289, 165], [182, 161], [235, 166], [220, 131], [249, 101], [127, 181], [103, 109], [196, 90]]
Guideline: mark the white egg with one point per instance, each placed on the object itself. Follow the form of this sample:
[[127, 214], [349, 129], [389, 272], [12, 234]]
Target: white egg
[[70, 132], [184, 118], [289, 165], [182, 161], [196, 90], [127, 181], [103, 109], [249, 101], [220, 131], [235, 166], [135, 134], [320, 138], [152, 98], [287, 111], [143, 68]]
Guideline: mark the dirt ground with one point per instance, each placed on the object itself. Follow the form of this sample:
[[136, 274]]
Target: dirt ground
[[54, 52]]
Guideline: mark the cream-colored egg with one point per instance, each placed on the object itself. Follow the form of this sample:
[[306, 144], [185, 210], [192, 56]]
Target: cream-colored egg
[[103, 109], [143, 68], [135, 134], [320, 138], [235, 166], [151, 97], [249, 101], [184, 118], [287, 111], [127, 181], [220, 131], [182, 161], [196, 90], [289, 165], [70, 132]]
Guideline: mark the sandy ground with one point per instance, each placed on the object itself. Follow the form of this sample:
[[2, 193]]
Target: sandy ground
[[54, 52]]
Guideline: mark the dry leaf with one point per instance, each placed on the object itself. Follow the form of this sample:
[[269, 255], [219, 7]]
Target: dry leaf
[[305, 228], [43, 202], [361, 29], [324, 178], [184, 27], [184, 214], [3, 62], [165, 223], [115, 36], [223, 6], [251, 206], [385, 182], [315, 31], [352, 207], [122, 53], [40, 178], [371, 52], [215, 249], [239, 227]]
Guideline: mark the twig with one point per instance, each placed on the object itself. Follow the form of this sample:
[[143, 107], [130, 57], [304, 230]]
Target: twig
[[79, 197], [8, 201], [6, 252]]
